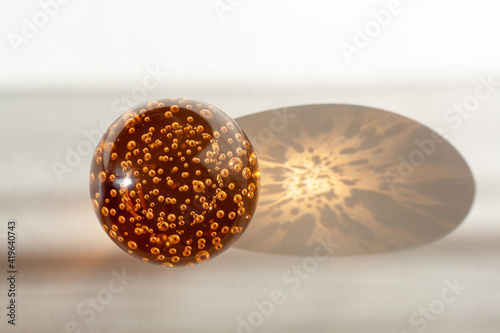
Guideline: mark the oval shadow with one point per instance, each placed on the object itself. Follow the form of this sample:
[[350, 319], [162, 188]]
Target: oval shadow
[[353, 180]]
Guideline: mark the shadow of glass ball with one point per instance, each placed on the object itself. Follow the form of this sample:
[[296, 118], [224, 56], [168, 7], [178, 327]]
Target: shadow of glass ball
[[361, 179]]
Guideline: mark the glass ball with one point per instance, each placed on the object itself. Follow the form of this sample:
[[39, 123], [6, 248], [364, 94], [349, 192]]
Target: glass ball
[[174, 182]]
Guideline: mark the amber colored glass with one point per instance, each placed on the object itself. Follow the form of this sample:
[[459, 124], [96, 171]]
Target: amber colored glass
[[174, 182]]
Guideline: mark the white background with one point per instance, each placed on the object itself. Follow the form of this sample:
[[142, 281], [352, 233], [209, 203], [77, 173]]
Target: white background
[[80, 63]]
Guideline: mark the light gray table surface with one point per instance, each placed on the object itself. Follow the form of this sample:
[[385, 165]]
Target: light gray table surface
[[65, 259]]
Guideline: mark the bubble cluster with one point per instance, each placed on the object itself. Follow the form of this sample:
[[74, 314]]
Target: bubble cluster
[[174, 182]]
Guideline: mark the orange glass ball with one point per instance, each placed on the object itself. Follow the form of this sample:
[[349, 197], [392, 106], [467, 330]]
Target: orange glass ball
[[174, 182]]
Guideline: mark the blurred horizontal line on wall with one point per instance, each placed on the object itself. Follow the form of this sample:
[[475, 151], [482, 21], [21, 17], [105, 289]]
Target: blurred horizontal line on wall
[[265, 85]]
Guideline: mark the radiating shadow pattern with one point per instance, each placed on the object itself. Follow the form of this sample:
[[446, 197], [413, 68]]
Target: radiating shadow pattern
[[367, 179]]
